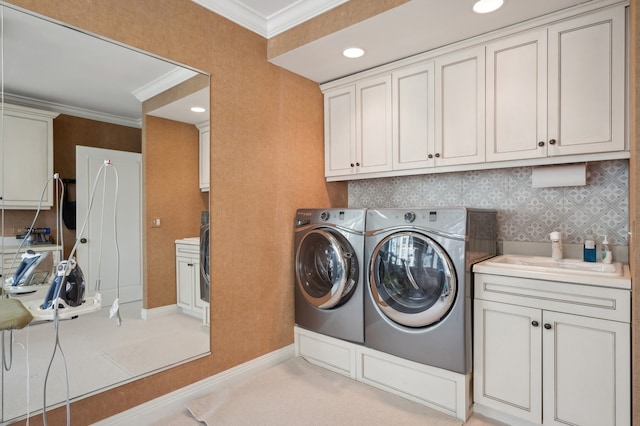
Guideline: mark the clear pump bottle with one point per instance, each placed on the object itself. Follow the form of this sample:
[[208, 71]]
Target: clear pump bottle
[[606, 254]]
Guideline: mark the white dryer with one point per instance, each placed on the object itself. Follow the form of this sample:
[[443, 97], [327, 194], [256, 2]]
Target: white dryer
[[329, 274], [418, 299]]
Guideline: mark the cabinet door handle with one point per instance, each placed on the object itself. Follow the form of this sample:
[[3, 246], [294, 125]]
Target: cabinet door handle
[[189, 264], [541, 143], [358, 164], [535, 323], [352, 165], [430, 156], [437, 155], [547, 326], [552, 142]]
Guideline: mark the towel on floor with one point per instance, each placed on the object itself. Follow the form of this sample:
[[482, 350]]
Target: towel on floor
[[297, 392]]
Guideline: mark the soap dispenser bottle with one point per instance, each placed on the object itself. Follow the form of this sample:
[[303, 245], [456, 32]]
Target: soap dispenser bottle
[[607, 256], [589, 252], [556, 245]]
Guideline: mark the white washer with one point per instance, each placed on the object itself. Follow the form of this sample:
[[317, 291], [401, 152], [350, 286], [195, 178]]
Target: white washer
[[418, 297], [329, 256]]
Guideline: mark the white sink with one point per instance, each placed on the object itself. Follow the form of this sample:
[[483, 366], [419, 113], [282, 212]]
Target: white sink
[[572, 266]]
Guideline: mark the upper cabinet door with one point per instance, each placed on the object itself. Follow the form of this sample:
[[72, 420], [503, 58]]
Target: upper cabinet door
[[586, 83], [413, 116], [340, 132], [373, 125], [460, 103], [517, 97]]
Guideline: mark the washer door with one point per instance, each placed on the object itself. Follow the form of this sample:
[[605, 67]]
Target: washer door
[[412, 279], [326, 268]]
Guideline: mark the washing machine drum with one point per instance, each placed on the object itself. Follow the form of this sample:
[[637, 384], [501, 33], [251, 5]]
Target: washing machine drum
[[326, 268], [412, 279]]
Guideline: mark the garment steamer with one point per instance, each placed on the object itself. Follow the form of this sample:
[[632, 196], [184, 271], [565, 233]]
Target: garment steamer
[[66, 298]]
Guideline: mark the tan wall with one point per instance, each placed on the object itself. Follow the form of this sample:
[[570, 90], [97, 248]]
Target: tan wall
[[266, 161], [172, 193]]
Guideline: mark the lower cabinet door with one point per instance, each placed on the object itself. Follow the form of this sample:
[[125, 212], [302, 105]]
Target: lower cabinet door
[[508, 359], [586, 371]]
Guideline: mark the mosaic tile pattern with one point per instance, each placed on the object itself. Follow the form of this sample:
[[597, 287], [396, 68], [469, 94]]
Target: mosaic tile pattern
[[524, 213]]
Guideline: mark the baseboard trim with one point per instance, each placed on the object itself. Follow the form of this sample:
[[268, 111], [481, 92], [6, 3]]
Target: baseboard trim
[[173, 402], [161, 311]]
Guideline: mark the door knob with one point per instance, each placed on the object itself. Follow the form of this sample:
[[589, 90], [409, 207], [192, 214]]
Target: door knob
[[83, 240]]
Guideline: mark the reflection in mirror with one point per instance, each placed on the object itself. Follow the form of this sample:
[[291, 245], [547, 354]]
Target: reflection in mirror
[[109, 102]]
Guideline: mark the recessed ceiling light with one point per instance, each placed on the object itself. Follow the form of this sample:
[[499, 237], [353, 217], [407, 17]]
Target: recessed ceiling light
[[198, 109], [486, 6], [353, 52]]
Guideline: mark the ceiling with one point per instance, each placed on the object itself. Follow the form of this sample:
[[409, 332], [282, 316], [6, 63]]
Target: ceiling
[[414, 27], [107, 82]]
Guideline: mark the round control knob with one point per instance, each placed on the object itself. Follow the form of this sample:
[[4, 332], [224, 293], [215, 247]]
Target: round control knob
[[409, 217], [325, 216]]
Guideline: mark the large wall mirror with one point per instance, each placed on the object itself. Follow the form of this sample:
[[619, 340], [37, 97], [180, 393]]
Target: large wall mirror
[[110, 102]]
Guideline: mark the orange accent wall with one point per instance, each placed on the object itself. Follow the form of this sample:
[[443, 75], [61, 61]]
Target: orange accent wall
[[266, 161]]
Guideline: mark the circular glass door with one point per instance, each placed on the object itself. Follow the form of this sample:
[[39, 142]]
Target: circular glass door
[[412, 279], [326, 268]]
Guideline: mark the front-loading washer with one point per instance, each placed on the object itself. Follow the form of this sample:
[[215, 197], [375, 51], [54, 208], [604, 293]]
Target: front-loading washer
[[418, 284], [329, 272]]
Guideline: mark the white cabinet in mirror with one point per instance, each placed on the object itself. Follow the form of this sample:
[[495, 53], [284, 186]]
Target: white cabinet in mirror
[[45, 73]]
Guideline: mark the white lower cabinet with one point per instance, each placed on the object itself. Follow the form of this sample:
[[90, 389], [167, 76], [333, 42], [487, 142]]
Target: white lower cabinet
[[550, 367], [188, 279]]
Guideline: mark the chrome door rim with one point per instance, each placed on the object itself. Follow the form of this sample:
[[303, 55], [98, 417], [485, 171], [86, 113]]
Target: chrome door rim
[[433, 313]]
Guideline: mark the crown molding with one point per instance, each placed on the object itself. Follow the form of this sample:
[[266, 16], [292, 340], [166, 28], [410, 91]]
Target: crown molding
[[167, 81], [71, 110], [269, 26]]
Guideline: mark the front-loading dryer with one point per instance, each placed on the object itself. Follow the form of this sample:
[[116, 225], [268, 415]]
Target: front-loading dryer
[[418, 283], [329, 272]]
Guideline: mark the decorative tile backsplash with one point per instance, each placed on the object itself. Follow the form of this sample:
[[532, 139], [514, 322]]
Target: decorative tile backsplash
[[525, 214]]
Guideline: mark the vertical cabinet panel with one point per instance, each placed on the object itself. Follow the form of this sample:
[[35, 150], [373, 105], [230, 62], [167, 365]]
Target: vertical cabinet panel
[[373, 125], [586, 83], [413, 115], [460, 104], [517, 97], [507, 359], [27, 144], [586, 371], [340, 131]]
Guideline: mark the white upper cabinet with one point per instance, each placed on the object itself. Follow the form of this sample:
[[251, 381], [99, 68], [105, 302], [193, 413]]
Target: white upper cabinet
[[517, 97], [459, 109], [26, 157], [557, 90], [373, 125], [204, 167], [548, 91], [414, 116], [587, 83], [358, 128]]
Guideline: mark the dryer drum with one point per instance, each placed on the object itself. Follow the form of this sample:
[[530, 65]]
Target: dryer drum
[[412, 279], [326, 269]]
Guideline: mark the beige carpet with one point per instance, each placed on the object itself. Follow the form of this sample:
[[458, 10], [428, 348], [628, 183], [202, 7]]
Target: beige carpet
[[299, 393]]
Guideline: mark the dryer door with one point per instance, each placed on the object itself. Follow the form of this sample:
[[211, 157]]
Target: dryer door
[[326, 268], [412, 279]]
